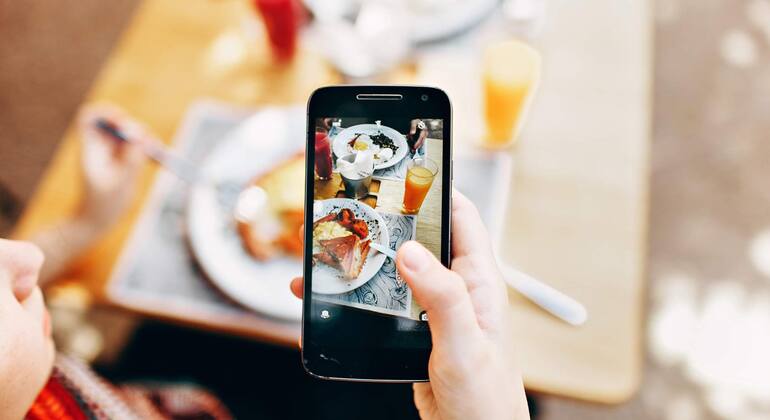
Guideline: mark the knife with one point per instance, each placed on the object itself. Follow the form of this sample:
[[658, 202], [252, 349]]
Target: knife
[[383, 249], [553, 301]]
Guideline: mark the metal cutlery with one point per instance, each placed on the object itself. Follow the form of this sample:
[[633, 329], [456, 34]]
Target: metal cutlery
[[553, 301]]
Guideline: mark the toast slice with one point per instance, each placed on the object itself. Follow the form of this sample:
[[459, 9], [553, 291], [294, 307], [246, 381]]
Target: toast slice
[[346, 253], [271, 230]]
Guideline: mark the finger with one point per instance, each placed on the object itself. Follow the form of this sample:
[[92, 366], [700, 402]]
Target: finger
[[113, 149], [442, 293], [89, 116], [123, 151], [34, 304], [21, 262], [424, 399], [469, 235], [141, 140], [297, 286]]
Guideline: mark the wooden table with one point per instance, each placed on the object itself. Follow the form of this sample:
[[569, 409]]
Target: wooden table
[[577, 207]]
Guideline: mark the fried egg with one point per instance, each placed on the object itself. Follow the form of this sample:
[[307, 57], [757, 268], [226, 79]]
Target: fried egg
[[364, 143], [328, 230]]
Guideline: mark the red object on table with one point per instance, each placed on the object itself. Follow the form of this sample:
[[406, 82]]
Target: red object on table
[[323, 156], [282, 19]]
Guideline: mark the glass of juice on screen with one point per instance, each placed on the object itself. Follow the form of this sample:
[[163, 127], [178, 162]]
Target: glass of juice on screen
[[419, 177], [511, 74], [323, 156]]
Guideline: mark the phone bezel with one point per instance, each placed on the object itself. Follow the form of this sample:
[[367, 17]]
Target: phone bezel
[[377, 364]]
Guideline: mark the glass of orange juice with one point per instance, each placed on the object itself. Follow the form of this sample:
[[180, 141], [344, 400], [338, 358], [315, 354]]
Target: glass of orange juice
[[419, 177], [511, 75]]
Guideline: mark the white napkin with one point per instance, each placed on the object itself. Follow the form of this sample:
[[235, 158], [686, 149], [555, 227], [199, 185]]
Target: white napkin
[[362, 166]]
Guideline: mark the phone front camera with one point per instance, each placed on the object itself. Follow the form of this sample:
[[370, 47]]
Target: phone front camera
[[424, 98]]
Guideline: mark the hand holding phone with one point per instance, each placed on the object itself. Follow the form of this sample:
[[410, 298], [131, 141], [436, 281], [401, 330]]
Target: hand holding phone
[[470, 372]]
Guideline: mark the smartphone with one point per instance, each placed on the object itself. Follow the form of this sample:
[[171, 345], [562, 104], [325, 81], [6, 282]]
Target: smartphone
[[379, 173]]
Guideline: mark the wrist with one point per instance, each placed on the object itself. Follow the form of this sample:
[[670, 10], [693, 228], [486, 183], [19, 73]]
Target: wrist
[[86, 226], [95, 215], [64, 242]]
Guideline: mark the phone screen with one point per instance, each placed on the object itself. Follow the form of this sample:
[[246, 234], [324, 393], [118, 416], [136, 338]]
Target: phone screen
[[378, 181]]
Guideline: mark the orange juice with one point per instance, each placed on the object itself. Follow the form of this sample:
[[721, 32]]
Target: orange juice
[[511, 75], [419, 178]]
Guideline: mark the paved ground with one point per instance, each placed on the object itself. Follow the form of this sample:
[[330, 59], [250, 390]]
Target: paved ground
[[709, 245]]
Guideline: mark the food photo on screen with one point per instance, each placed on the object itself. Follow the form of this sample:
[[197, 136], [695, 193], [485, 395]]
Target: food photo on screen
[[377, 185]]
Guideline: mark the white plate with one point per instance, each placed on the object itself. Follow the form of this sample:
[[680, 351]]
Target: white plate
[[434, 20], [328, 280], [340, 144], [428, 20], [255, 146]]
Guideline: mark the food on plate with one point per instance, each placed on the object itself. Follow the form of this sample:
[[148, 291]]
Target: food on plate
[[346, 253], [359, 142], [382, 141], [269, 212], [340, 240], [383, 148]]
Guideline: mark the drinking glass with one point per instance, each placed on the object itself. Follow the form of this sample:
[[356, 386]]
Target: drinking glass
[[282, 19], [511, 75], [323, 156], [419, 178], [355, 178]]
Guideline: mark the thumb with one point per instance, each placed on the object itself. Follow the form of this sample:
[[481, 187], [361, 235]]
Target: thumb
[[441, 292]]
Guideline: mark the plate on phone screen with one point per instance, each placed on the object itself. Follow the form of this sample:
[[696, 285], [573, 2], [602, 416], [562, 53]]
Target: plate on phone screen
[[373, 137], [328, 279]]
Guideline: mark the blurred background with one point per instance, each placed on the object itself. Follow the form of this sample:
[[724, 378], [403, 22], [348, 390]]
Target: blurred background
[[634, 151]]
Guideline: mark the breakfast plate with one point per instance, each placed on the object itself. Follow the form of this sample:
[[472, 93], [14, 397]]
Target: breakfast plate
[[389, 146], [331, 280], [269, 136]]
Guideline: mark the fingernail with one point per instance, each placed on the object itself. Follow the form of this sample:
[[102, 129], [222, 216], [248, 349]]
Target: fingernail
[[23, 286], [415, 257]]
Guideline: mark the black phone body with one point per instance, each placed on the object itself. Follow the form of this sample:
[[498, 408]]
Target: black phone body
[[361, 322]]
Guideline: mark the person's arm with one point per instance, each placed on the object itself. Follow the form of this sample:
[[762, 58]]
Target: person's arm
[[109, 171], [26, 347], [62, 243], [423, 134]]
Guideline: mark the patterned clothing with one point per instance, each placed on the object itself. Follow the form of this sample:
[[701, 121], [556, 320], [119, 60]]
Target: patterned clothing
[[75, 392]]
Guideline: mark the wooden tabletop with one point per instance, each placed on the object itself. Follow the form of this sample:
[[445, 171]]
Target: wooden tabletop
[[577, 207], [577, 210]]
